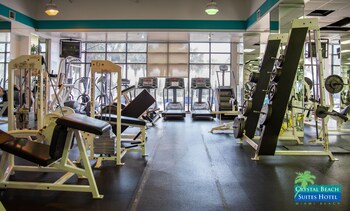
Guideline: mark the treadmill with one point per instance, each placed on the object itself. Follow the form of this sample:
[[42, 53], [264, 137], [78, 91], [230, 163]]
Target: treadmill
[[200, 108], [174, 108]]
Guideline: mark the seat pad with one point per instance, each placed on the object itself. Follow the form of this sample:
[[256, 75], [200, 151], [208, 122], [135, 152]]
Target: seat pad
[[84, 123], [124, 119], [32, 151]]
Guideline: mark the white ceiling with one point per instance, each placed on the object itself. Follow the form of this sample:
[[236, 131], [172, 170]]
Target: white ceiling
[[341, 7]]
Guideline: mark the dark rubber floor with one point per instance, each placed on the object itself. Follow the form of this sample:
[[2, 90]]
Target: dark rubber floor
[[191, 169]]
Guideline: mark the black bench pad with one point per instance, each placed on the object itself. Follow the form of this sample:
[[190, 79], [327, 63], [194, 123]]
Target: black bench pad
[[4, 137], [124, 119], [32, 151], [35, 152], [84, 123]]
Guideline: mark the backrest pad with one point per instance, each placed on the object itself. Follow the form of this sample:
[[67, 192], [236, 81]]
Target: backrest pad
[[58, 141]]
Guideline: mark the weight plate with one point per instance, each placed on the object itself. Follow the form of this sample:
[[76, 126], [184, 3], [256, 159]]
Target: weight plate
[[334, 84], [272, 91], [308, 82], [265, 115], [110, 109], [276, 74], [254, 77], [279, 61], [321, 112], [238, 127], [252, 91], [247, 107]]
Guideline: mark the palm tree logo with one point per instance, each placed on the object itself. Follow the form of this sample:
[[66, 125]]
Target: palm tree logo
[[304, 178]]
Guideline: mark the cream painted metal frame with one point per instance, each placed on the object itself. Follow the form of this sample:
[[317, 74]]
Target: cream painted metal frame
[[63, 165], [312, 25]]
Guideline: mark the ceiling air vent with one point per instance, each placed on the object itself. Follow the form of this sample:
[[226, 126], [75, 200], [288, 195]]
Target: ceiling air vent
[[341, 25], [320, 12], [12, 15]]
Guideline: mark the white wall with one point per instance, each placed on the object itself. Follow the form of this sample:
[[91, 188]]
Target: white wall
[[20, 45], [254, 5], [54, 57], [27, 7]]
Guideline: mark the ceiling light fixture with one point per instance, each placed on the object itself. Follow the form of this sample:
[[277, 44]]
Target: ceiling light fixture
[[51, 9], [211, 8]]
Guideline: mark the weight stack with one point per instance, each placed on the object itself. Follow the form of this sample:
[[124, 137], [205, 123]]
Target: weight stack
[[105, 144]]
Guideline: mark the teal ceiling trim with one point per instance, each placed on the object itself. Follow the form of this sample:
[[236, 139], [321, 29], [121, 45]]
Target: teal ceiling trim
[[142, 24], [5, 25], [264, 8], [20, 17]]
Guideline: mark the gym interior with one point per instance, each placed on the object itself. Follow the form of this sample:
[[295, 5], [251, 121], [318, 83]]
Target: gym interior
[[174, 105]]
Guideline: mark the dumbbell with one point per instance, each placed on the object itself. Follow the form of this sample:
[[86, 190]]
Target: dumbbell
[[248, 109]]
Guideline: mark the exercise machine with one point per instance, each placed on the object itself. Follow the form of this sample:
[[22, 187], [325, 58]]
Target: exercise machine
[[200, 108], [225, 96], [64, 82], [22, 72], [51, 158], [173, 108], [151, 85], [110, 145]]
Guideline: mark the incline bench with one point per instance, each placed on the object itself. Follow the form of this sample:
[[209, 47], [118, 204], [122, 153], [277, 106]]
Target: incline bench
[[129, 117], [53, 157]]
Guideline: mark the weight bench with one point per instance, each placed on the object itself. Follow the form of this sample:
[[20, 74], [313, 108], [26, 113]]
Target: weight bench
[[53, 157]]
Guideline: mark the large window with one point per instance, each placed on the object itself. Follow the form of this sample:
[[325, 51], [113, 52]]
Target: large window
[[205, 61], [162, 59], [4, 57], [132, 57]]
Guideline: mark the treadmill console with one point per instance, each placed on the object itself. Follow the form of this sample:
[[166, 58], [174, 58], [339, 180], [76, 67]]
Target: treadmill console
[[174, 83], [200, 83], [148, 83]]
